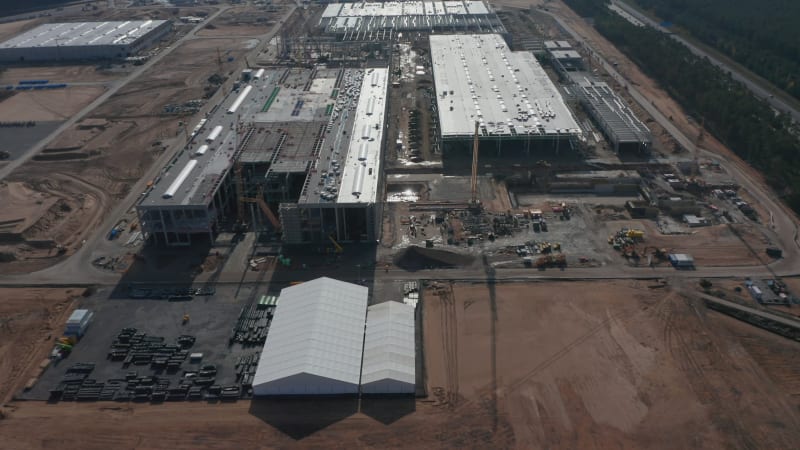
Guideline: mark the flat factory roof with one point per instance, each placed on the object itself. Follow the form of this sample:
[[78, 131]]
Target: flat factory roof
[[479, 79], [73, 34], [211, 147], [361, 168], [565, 54]]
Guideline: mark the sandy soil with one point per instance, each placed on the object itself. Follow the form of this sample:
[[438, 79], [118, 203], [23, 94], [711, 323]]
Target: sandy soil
[[30, 320], [11, 29], [603, 365], [717, 245], [57, 74], [117, 153], [48, 105], [243, 21], [21, 202], [79, 209], [558, 365]]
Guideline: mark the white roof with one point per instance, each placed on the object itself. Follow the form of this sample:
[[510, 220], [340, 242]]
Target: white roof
[[362, 165], [405, 8], [499, 88], [73, 34], [389, 348], [681, 257], [318, 329]]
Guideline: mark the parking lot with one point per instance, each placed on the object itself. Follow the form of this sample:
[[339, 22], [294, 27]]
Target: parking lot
[[211, 320]]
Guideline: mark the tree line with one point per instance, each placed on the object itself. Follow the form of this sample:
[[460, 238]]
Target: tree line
[[761, 35], [743, 122]]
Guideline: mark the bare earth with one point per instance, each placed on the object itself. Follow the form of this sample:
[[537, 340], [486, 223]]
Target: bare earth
[[11, 29], [48, 105], [99, 164], [563, 365], [30, 319], [604, 365], [717, 245], [57, 74]]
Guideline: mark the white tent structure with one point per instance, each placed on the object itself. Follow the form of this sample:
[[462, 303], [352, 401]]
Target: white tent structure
[[389, 350], [315, 341]]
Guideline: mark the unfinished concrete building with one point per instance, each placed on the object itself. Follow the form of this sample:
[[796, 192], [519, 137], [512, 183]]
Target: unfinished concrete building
[[622, 128], [382, 20], [305, 143]]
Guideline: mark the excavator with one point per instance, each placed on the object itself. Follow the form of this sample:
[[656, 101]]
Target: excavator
[[262, 205], [337, 248]]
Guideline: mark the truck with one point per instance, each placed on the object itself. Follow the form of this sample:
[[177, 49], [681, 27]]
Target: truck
[[755, 291], [537, 219]]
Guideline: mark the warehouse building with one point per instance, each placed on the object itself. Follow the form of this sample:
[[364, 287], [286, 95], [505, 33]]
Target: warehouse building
[[315, 341], [619, 124], [381, 20], [308, 146], [84, 40], [516, 105], [389, 350]]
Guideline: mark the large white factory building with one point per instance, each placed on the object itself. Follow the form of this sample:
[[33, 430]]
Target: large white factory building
[[84, 40]]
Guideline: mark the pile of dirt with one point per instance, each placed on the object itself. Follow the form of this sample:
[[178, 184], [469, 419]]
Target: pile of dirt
[[417, 258]]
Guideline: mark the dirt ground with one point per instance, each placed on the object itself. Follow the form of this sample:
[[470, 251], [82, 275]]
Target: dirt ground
[[78, 208], [563, 365], [22, 206], [11, 29], [101, 158], [716, 245], [30, 320], [57, 74], [606, 365], [243, 21], [47, 105]]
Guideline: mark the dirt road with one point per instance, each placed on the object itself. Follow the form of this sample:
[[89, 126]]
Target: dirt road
[[7, 169], [612, 365], [29, 321]]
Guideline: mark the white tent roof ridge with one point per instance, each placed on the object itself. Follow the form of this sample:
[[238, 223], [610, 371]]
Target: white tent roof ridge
[[389, 346], [317, 330]]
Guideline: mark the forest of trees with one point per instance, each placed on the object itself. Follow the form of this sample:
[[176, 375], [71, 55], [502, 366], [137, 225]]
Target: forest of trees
[[761, 35], [746, 124], [11, 7]]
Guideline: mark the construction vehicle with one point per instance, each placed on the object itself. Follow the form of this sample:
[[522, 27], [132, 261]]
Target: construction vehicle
[[559, 260], [473, 202], [337, 248], [635, 234], [528, 261], [537, 220], [262, 205]]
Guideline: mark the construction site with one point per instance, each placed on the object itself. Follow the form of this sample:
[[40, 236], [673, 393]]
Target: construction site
[[453, 222]]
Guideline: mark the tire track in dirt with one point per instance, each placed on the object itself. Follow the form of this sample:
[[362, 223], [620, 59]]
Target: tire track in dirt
[[450, 345], [555, 357], [682, 352]]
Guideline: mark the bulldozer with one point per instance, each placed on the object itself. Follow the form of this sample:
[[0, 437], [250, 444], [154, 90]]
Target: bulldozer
[[559, 260], [635, 234]]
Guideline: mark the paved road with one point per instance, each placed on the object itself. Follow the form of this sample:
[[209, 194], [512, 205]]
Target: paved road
[[78, 267], [784, 229], [78, 270], [11, 166], [746, 79]]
